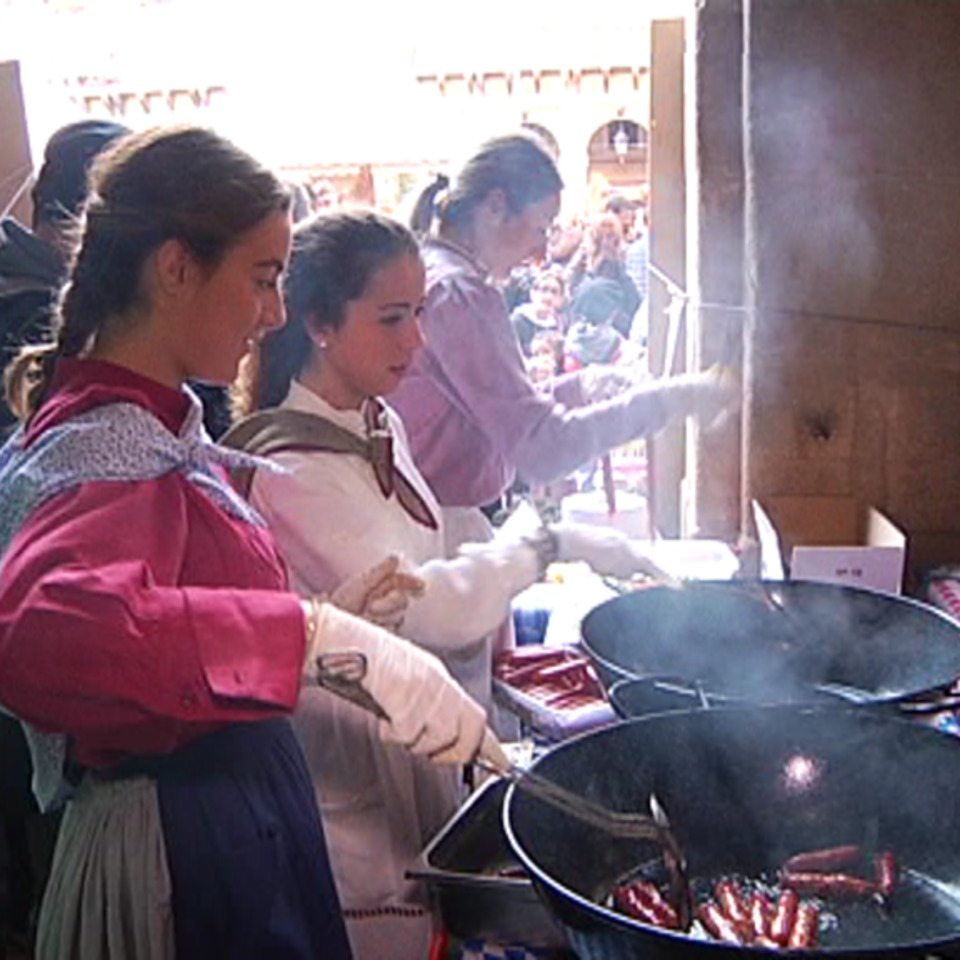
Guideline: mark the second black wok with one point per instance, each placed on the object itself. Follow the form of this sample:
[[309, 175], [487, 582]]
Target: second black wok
[[781, 642]]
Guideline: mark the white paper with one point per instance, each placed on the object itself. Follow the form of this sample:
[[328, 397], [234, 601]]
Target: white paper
[[771, 559], [877, 568]]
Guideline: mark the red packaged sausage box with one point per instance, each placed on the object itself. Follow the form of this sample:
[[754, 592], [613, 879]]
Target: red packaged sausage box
[[554, 690]]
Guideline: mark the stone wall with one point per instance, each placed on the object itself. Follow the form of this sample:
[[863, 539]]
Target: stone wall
[[852, 232]]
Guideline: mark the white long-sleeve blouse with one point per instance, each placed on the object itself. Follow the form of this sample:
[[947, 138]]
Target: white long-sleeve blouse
[[330, 520]]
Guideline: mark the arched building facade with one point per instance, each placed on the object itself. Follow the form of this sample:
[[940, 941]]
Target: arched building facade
[[424, 94], [595, 120]]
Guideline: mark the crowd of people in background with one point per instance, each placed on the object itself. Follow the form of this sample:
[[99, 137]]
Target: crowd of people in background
[[585, 301]]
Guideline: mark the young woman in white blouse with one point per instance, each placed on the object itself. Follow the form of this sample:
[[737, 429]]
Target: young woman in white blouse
[[354, 296]]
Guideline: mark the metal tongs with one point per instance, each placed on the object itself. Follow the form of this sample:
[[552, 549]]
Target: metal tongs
[[342, 673], [625, 826]]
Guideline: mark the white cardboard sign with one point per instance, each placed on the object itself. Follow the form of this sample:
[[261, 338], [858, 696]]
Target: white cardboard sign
[[879, 568]]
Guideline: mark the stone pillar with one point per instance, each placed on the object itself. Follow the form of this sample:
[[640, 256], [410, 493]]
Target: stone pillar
[[715, 251], [852, 159], [665, 451]]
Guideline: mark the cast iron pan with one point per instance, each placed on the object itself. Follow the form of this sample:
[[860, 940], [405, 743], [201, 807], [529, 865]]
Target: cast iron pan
[[745, 788], [813, 638]]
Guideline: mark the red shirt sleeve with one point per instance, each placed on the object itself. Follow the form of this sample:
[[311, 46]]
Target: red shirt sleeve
[[135, 616]]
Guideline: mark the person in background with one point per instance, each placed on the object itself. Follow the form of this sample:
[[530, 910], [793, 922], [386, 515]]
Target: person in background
[[546, 356], [563, 242], [545, 311], [593, 337], [302, 202], [636, 261], [148, 640], [33, 264], [601, 256], [325, 195], [633, 220], [625, 211], [355, 294], [473, 417], [518, 287]]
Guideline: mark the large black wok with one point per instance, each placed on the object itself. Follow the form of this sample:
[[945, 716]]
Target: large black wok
[[744, 789], [800, 638]]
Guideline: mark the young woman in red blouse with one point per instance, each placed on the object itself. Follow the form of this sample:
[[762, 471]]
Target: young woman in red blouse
[[148, 641]]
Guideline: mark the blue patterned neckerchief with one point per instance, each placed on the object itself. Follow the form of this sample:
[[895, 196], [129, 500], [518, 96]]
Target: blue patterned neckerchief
[[114, 442]]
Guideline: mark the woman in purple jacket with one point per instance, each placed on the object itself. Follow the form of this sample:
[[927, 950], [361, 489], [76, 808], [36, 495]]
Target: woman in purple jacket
[[474, 418]]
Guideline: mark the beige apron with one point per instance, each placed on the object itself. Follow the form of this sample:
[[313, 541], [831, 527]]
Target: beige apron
[[109, 894]]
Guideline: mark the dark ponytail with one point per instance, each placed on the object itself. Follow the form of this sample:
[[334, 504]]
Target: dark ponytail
[[428, 206], [519, 165]]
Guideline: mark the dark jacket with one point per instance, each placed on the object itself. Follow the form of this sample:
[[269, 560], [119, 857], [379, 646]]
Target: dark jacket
[[31, 272]]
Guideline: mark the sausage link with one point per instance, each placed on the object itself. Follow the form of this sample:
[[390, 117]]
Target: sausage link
[[654, 901], [784, 916], [644, 902], [728, 898], [626, 901], [885, 873], [837, 886], [827, 860], [803, 936], [521, 670], [717, 924], [761, 916]]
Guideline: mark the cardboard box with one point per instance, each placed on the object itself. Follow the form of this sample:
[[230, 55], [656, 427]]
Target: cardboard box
[[832, 540]]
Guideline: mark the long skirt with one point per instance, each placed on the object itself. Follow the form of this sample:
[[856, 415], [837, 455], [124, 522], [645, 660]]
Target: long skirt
[[214, 851]]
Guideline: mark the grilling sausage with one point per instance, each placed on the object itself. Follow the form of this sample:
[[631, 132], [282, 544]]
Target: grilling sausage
[[824, 861], [718, 924], [626, 901], [803, 936], [784, 917], [835, 886], [644, 902], [761, 916], [728, 898], [885, 873]]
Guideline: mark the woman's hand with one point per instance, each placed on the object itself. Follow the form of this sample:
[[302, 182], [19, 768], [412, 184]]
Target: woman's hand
[[721, 395], [423, 708], [380, 594], [711, 396], [609, 552]]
